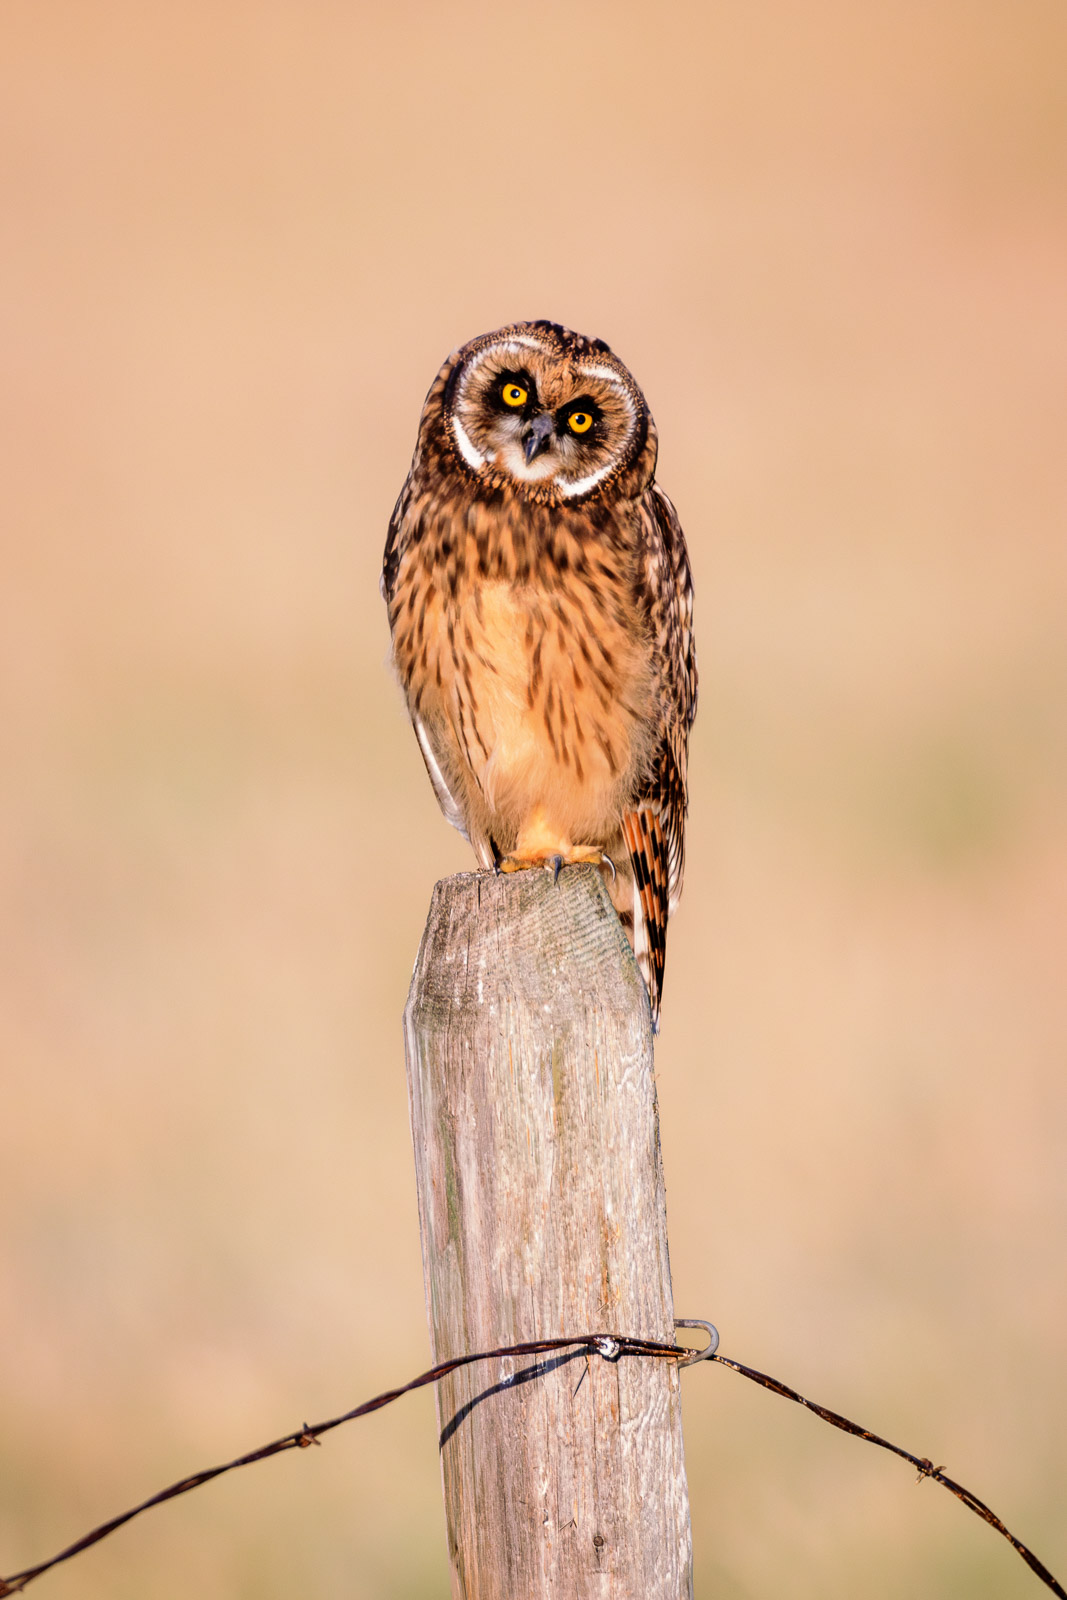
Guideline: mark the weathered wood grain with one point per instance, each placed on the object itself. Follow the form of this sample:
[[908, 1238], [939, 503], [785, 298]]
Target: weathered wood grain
[[541, 1204]]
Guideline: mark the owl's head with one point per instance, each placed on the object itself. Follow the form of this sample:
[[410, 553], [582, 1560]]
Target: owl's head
[[546, 409]]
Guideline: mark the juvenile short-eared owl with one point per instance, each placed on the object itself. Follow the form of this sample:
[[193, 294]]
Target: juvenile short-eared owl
[[540, 604]]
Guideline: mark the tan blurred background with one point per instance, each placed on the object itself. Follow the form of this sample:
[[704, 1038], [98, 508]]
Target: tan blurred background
[[238, 239]]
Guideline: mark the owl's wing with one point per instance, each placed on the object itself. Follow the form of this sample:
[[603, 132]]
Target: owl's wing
[[655, 830], [445, 798], [434, 754], [394, 544]]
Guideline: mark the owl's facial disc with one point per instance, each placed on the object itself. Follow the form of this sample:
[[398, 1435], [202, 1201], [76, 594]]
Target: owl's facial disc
[[521, 409]]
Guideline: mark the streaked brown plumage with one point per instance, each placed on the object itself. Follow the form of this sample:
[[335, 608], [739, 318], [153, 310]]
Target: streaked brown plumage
[[540, 604]]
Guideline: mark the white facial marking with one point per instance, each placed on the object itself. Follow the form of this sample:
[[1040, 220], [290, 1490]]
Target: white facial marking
[[513, 457], [608, 374], [471, 456], [505, 347], [575, 486], [524, 339]]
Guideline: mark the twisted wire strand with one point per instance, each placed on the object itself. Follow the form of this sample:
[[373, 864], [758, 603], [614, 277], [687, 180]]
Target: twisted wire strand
[[611, 1347]]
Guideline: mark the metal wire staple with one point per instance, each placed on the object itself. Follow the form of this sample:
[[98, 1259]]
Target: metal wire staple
[[709, 1349]]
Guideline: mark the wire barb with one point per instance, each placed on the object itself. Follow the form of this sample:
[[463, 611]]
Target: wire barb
[[610, 1346]]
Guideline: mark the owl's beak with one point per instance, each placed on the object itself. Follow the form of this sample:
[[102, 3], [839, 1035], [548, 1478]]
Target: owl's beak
[[536, 436]]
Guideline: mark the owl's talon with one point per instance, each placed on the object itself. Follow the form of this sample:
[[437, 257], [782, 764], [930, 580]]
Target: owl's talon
[[580, 855], [606, 860]]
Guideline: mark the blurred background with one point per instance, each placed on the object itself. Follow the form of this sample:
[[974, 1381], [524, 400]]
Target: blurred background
[[237, 241]]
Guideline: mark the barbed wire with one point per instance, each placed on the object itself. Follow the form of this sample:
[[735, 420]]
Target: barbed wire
[[925, 1466], [611, 1347]]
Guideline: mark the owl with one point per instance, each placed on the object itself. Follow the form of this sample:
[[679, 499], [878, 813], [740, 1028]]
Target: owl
[[540, 606]]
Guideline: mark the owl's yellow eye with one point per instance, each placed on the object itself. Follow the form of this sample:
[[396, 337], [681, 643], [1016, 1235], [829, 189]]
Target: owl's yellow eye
[[580, 421], [515, 395]]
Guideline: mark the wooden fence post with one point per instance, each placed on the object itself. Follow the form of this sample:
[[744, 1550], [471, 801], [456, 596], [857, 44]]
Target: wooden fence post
[[541, 1207]]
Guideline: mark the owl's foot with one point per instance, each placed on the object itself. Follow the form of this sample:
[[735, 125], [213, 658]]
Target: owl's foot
[[553, 861], [516, 863]]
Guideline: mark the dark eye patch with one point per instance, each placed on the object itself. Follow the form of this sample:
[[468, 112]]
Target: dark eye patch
[[584, 406], [524, 381]]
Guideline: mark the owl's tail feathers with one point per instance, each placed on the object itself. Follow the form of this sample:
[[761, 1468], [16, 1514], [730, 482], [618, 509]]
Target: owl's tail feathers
[[647, 847]]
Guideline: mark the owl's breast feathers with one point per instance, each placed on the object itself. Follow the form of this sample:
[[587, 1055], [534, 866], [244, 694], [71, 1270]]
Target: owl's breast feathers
[[524, 651]]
